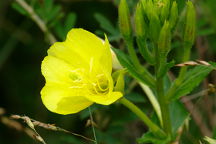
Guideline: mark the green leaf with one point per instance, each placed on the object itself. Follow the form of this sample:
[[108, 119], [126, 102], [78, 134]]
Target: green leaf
[[135, 97], [192, 79], [105, 24], [70, 21], [150, 138], [18, 8], [137, 74], [178, 115]]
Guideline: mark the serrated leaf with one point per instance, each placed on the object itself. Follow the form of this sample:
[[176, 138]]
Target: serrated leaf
[[192, 79], [126, 62]]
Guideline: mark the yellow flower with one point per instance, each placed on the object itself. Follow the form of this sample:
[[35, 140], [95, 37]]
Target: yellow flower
[[78, 73]]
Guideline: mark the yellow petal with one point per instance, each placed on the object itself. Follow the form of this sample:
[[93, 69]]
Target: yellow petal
[[89, 47], [105, 99], [61, 100], [66, 53], [58, 71]]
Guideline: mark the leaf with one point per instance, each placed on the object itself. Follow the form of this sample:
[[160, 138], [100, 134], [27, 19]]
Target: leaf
[[178, 115], [135, 97], [150, 138], [70, 21], [137, 74], [192, 79], [18, 8], [105, 24]]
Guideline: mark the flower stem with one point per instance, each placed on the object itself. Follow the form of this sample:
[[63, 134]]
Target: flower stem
[[153, 127], [162, 99]]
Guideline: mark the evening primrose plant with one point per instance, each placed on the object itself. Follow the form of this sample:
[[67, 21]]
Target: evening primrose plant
[[79, 73]]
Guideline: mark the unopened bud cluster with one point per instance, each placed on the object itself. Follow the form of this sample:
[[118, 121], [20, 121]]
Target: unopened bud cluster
[[155, 20]]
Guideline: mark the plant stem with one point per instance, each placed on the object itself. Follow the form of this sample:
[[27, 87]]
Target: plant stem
[[154, 128], [132, 52], [183, 70], [164, 104], [41, 24]]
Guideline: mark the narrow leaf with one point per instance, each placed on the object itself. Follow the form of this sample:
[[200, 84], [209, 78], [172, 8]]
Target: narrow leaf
[[192, 79], [137, 74]]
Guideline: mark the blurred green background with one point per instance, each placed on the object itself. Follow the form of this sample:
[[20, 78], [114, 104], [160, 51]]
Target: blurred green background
[[24, 45]]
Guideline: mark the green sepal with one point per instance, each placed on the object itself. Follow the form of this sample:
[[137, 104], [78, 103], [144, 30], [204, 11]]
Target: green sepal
[[118, 80]]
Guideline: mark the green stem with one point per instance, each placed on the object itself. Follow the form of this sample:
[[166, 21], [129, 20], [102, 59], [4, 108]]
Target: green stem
[[183, 70], [153, 127], [132, 52], [164, 104], [135, 60]]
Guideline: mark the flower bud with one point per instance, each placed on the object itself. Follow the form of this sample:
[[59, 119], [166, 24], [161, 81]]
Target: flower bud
[[173, 15], [124, 19], [190, 24], [165, 10], [141, 34], [164, 42], [140, 25], [154, 27]]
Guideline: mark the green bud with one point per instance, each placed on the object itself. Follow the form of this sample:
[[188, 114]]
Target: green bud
[[141, 34], [190, 24], [140, 25], [124, 19], [148, 7], [165, 4], [164, 42], [154, 27], [173, 15]]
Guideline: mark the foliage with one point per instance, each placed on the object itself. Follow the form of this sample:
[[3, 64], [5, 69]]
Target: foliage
[[149, 38]]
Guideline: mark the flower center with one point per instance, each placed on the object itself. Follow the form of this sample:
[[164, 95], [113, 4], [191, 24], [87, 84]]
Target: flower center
[[101, 85]]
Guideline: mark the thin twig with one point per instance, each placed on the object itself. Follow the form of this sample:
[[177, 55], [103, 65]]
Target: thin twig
[[47, 126], [93, 129], [41, 24], [19, 127]]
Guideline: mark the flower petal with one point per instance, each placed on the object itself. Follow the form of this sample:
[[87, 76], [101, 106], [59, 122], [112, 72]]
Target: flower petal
[[89, 47], [105, 99], [66, 53], [62, 100], [58, 71]]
